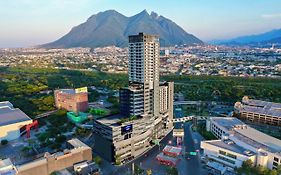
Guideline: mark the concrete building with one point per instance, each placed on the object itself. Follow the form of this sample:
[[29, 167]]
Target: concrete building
[[11, 121], [50, 162], [75, 100], [258, 111], [7, 167], [239, 142], [146, 105], [119, 139], [143, 72]]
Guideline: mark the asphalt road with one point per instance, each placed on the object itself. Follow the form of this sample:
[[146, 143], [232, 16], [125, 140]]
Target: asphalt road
[[193, 166]]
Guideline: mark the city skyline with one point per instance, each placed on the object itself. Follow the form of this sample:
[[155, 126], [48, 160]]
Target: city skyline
[[41, 21]]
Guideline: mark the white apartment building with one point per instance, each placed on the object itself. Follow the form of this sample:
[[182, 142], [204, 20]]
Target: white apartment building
[[239, 142]]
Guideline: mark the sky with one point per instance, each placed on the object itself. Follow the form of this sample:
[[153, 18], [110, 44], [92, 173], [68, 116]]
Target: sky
[[25, 23]]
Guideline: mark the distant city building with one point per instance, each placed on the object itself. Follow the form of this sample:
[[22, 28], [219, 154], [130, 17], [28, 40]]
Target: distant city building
[[75, 100], [50, 163], [146, 105], [258, 111], [239, 142], [11, 121]]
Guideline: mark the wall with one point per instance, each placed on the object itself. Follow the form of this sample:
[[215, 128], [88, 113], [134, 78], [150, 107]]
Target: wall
[[12, 132], [51, 163]]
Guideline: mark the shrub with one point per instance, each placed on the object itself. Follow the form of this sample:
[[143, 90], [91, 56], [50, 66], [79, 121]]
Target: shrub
[[4, 142]]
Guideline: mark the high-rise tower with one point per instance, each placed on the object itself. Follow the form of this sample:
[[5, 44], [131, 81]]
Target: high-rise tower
[[146, 106], [143, 72]]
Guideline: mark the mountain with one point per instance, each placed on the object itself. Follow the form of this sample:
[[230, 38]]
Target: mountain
[[112, 28], [268, 38]]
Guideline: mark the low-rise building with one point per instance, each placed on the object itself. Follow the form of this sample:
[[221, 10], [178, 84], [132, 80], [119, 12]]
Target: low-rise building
[[258, 111], [11, 121], [7, 167], [78, 152], [75, 100], [239, 142]]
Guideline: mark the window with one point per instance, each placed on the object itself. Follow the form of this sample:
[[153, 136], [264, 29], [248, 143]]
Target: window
[[226, 160], [276, 159], [227, 154], [231, 156], [222, 152], [275, 164]]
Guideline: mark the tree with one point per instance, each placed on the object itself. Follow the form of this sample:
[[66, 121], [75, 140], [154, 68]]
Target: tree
[[246, 168], [98, 160], [60, 139], [117, 159], [279, 169], [172, 171], [4, 142], [138, 170]]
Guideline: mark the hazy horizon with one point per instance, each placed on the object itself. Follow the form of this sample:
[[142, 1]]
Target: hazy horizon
[[28, 22]]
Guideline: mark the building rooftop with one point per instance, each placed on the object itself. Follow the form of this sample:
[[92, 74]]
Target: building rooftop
[[67, 91], [76, 143], [115, 120], [5, 163], [111, 120], [231, 146], [258, 139], [163, 157], [5, 104], [261, 107], [73, 91], [10, 115], [248, 135], [7, 167], [172, 150], [229, 123]]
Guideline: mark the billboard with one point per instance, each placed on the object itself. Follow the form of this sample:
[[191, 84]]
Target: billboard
[[82, 89], [126, 129]]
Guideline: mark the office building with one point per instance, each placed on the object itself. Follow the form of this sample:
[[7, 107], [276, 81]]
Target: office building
[[258, 111], [12, 121], [74, 100], [239, 142], [146, 105]]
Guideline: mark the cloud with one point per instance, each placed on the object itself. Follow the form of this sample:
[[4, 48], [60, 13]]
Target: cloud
[[272, 16]]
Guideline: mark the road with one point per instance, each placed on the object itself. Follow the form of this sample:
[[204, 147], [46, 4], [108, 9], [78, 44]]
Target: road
[[193, 166], [46, 114]]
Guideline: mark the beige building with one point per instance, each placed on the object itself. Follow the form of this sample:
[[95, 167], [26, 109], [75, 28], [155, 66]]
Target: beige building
[[50, 162], [258, 111]]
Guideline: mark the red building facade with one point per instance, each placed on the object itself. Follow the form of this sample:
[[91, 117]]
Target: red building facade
[[72, 100]]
